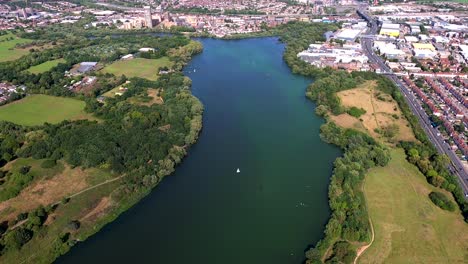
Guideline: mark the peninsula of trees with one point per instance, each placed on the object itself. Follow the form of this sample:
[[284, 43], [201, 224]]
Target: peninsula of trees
[[60, 182]]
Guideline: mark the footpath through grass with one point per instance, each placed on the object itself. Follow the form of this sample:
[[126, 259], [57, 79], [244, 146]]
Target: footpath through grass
[[8, 52], [46, 66], [139, 67], [38, 109], [409, 228]]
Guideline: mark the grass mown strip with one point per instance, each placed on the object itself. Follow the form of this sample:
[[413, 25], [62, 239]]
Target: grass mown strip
[[38, 109]]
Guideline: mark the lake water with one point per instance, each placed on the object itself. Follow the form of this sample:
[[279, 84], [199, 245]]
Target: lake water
[[256, 119]]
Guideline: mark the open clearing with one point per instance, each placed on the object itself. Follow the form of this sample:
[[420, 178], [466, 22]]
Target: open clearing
[[46, 66], [38, 109], [8, 52], [49, 186], [112, 93], [91, 204], [378, 114], [409, 228], [153, 97], [139, 67]]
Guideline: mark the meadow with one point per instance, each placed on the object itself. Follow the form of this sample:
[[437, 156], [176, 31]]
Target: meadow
[[8, 52], [38, 109], [46, 66], [381, 111], [139, 67], [408, 227]]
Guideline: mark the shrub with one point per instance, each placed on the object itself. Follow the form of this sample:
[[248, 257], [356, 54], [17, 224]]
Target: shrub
[[356, 112], [442, 201], [74, 225], [48, 163], [343, 252], [15, 239], [14, 184], [24, 169]]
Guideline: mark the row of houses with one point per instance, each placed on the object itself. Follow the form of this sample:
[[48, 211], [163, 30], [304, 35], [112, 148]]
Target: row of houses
[[459, 113], [454, 91], [458, 138]]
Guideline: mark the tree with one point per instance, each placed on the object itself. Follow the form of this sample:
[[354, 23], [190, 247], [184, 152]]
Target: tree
[[437, 181], [74, 225], [24, 169], [16, 238]]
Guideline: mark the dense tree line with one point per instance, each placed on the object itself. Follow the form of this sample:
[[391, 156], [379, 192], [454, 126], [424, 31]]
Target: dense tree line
[[323, 91], [349, 221], [298, 36]]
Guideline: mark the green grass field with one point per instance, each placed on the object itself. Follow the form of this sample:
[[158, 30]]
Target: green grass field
[[46, 66], [409, 228], [7, 47], [38, 109], [111, 93], [139, 67]]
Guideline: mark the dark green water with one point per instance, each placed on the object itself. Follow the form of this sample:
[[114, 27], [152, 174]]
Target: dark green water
[[256, 119]]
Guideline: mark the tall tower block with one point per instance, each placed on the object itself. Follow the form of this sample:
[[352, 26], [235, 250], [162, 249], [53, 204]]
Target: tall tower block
[[148, 18]]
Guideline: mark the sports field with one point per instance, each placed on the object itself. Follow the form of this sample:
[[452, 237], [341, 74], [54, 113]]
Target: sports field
[[38, 109], [409, 228], [46, 66], [139, 67], [7, 47]]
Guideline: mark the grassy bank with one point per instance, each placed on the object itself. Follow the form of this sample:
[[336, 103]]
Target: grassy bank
[[409, 228]]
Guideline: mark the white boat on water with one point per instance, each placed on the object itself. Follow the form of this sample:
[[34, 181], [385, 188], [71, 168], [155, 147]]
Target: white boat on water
[[238, 171]]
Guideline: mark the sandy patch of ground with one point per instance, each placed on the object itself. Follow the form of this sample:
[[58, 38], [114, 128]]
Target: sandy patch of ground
[[99, 210], [156, 98], [347, 121], [378, 114], [45, 192]]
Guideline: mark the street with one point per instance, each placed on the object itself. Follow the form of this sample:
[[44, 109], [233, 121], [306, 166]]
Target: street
[[456, 166]]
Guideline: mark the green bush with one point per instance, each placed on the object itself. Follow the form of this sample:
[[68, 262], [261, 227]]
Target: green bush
[[442, 201], [13, 185], [356, 112], [48, 163], [24, 169], [16, 238]]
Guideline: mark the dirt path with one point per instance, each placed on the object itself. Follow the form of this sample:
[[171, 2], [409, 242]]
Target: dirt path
[[93, 187], [371, 90], [19, 224], [363, 248]]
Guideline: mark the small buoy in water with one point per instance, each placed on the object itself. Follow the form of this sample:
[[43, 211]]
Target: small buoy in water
[[238, 170], [194, 70]]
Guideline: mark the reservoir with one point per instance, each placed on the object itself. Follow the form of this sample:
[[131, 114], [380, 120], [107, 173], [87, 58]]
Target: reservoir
[[256, 119]]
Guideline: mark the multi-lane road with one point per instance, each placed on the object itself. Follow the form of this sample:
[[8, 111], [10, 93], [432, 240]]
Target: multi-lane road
[[456, 166]]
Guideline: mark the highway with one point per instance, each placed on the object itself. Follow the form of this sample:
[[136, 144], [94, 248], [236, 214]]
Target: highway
[[456, 166]]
